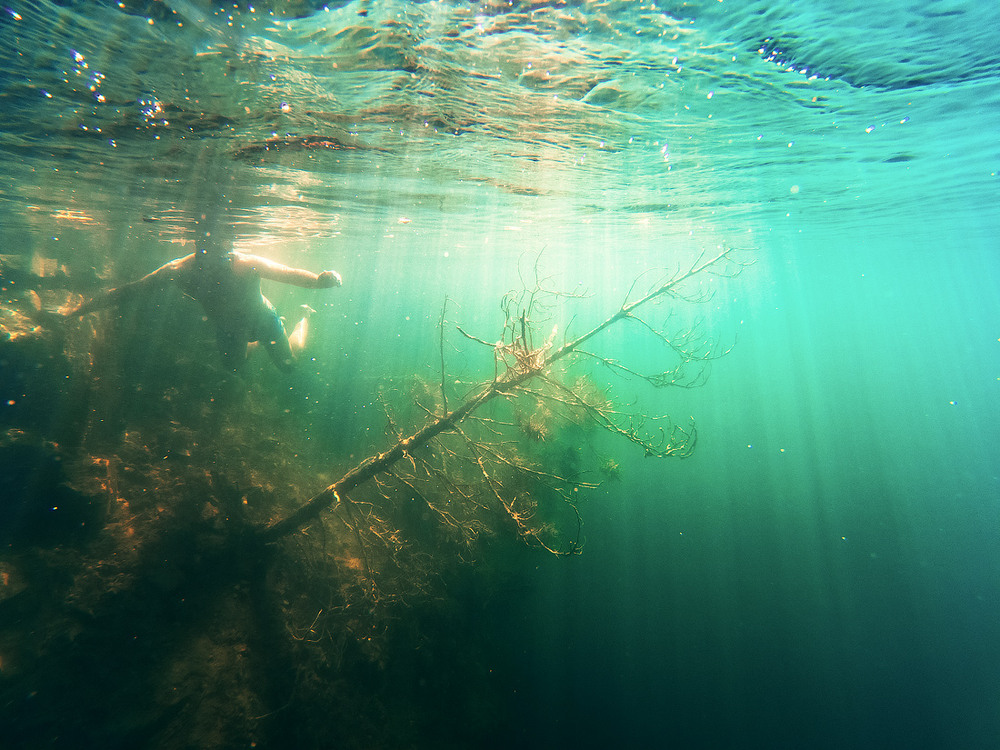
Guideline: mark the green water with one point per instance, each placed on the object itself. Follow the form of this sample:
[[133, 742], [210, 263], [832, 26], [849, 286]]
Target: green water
[[822, 572]]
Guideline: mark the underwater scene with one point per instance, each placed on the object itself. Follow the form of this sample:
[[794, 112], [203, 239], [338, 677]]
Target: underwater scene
[[499, 374]]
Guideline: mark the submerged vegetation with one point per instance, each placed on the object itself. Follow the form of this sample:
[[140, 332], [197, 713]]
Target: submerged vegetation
[[170, 577]]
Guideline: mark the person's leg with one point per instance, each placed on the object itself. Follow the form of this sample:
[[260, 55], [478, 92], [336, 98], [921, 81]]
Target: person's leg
[[281, 352], [274, 338], [297, 341], [233, 349]]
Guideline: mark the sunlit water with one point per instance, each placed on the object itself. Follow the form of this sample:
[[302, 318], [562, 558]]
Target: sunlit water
[[823, 571]]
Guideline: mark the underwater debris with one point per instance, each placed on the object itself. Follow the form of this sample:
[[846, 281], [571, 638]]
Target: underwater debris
[[205, 574], [524, 368]]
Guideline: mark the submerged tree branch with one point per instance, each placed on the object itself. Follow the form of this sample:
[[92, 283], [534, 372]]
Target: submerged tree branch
[[523, 363]]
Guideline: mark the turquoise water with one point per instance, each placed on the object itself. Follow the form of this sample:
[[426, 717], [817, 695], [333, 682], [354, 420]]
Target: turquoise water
[[822, 572]]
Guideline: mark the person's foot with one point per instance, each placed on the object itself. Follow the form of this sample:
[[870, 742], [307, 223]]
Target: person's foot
[[306, 311]]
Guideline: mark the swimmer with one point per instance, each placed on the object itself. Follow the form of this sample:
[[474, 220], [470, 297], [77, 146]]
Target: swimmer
[[228, 287]]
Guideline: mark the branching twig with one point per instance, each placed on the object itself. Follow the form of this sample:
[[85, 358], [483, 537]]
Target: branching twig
[[444, 392], [523, 363]]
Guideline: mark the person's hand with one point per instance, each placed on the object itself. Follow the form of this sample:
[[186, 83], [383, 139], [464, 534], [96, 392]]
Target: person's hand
[[328, 279]]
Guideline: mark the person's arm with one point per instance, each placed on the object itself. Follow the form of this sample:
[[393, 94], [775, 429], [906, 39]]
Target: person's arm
[[269, 269], [116, 296]]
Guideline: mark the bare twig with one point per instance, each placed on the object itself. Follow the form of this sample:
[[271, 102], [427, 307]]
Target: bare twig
[[522, 362], [444, 392]]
